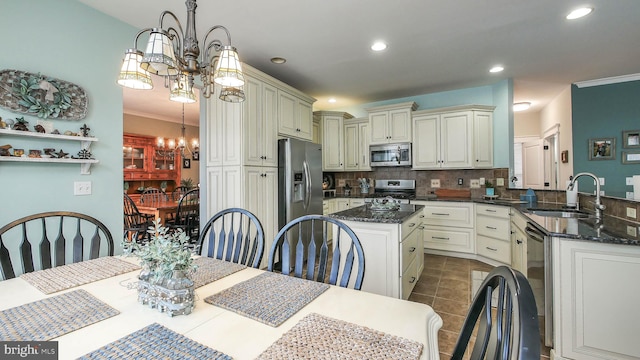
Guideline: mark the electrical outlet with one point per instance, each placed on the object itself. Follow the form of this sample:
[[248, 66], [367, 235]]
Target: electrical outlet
[[474, 183], [482, 181], [499, 181], [629, 195], [629, 181], [460, 181], [435, 183], [82, 188], [632, 231], [601, 181], [631, 212], [341, 183]]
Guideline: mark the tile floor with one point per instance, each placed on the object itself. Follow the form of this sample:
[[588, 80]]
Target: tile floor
[[445, 285]]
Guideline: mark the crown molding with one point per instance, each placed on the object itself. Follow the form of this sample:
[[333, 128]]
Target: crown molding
[[607, 81]]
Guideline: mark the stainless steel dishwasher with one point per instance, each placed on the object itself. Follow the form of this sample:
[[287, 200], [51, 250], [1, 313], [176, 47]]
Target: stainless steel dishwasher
[[539, 273]]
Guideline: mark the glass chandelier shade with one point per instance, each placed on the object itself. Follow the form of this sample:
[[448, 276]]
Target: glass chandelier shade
[[182, 91], [131, 74], [228, 70], [159, 58], [232, 94]]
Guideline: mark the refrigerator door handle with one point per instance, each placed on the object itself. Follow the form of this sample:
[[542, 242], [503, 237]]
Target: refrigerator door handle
[[307, 177]]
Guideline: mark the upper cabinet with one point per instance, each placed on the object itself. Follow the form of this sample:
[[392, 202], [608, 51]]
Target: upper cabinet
[[296, 116], [333, 143], [458, 137], [260, 116], [356, 145], [391, 123]]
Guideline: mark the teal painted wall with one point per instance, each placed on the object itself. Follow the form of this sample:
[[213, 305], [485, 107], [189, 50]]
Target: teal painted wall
[[605, 111], [70, 41], [499, 95]]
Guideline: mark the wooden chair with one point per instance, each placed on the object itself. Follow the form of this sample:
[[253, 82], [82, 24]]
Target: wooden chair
[[233, 235], [177, 193], [136, 223], [152, 195], [54, 234], [300, 236], [508, 328], [188, 214]]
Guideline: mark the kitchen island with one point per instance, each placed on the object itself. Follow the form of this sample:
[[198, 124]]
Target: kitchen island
[[392, 244]]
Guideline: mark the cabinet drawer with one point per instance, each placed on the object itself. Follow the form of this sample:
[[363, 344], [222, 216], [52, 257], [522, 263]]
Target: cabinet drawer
[[139, 176], [451, 240], [409, 249], [492, 210], [410, 225], [494, 249], [409, 279], [493, 226], [460, 215]]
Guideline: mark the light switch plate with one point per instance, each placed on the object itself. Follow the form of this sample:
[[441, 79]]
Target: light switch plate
[[629, 181], [435, 183], [632, 231], [474, 183], [499, 181], [82, 188], [341, 183], [629, 195], [481, 180], [601, 181]]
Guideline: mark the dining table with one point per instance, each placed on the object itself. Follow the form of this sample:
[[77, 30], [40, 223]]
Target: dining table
[[163, 210], [228, 331]]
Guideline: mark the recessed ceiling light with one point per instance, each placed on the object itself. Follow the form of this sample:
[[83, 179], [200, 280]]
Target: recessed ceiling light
[[332, 100], [496, 69], [278, 60], [578, 13], [378, 46], [521, 106]]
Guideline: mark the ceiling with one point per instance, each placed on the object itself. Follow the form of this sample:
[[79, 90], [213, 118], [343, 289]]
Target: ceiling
[[433, 46]]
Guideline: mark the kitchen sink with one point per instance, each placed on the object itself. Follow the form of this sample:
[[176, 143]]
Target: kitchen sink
[[561, 213]]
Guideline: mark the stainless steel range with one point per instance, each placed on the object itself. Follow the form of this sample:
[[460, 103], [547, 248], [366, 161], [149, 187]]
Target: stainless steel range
[[403, 190]]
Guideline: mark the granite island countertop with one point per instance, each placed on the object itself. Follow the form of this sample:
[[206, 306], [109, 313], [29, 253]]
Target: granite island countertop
[[365, 214], [610, 230]]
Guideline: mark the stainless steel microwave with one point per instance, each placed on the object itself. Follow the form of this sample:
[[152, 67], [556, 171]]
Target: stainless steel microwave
[[390, 154]]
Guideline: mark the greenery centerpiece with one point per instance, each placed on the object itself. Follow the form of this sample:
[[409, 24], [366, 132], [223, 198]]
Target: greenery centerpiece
[[167, 264], [489, 189]]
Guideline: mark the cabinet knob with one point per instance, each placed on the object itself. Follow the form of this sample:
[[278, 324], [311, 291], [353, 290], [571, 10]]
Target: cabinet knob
[[518, 241]]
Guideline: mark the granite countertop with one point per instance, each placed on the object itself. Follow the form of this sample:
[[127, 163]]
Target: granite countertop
[[365, 214], [610, 230]]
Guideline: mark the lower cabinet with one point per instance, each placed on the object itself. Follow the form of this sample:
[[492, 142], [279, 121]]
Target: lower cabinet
[[448, 226], [518, 242], [595, 300], [393, 255], [493, 236]]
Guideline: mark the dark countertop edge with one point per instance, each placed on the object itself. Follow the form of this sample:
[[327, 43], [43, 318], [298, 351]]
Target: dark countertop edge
[[372, 219], [607, 237]]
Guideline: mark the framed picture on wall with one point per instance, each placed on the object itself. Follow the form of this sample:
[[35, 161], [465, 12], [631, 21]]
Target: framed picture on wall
[[196, 155], [602, 149], [631, 157], [631, 139], [186, 163], [564, 156]]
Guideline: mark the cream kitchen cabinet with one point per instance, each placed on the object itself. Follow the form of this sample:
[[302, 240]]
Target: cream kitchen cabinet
[[356, 145], [347, 203], [518, 242], [295, 115], [332, 123], [448, 226], [260, 114], [595, 300], [493, 232], [458, 137], [261, 198], [391, 123]]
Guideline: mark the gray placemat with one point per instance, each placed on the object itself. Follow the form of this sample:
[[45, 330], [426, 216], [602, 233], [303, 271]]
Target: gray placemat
[[155, 342], [52, 317], [210, 270], [321, 337], [269, 297], [71, 275]]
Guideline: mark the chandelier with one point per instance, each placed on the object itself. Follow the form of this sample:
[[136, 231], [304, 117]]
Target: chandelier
[[175, 55], [181, 145]]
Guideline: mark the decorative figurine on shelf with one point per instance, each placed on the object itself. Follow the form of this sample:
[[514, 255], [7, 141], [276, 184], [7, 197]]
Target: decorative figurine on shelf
[[55, 131], [61, 154], [39, 128], [83, 154], [85, 130], [9, 123], [21, 124], [49, 151], [3, 125], [4, 150]]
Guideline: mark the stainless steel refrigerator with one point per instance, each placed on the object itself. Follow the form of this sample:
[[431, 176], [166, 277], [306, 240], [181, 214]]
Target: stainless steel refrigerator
[[299, 184]]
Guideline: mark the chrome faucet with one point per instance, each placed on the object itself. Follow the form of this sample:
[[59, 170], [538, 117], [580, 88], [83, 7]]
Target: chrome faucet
[[597, 205]]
